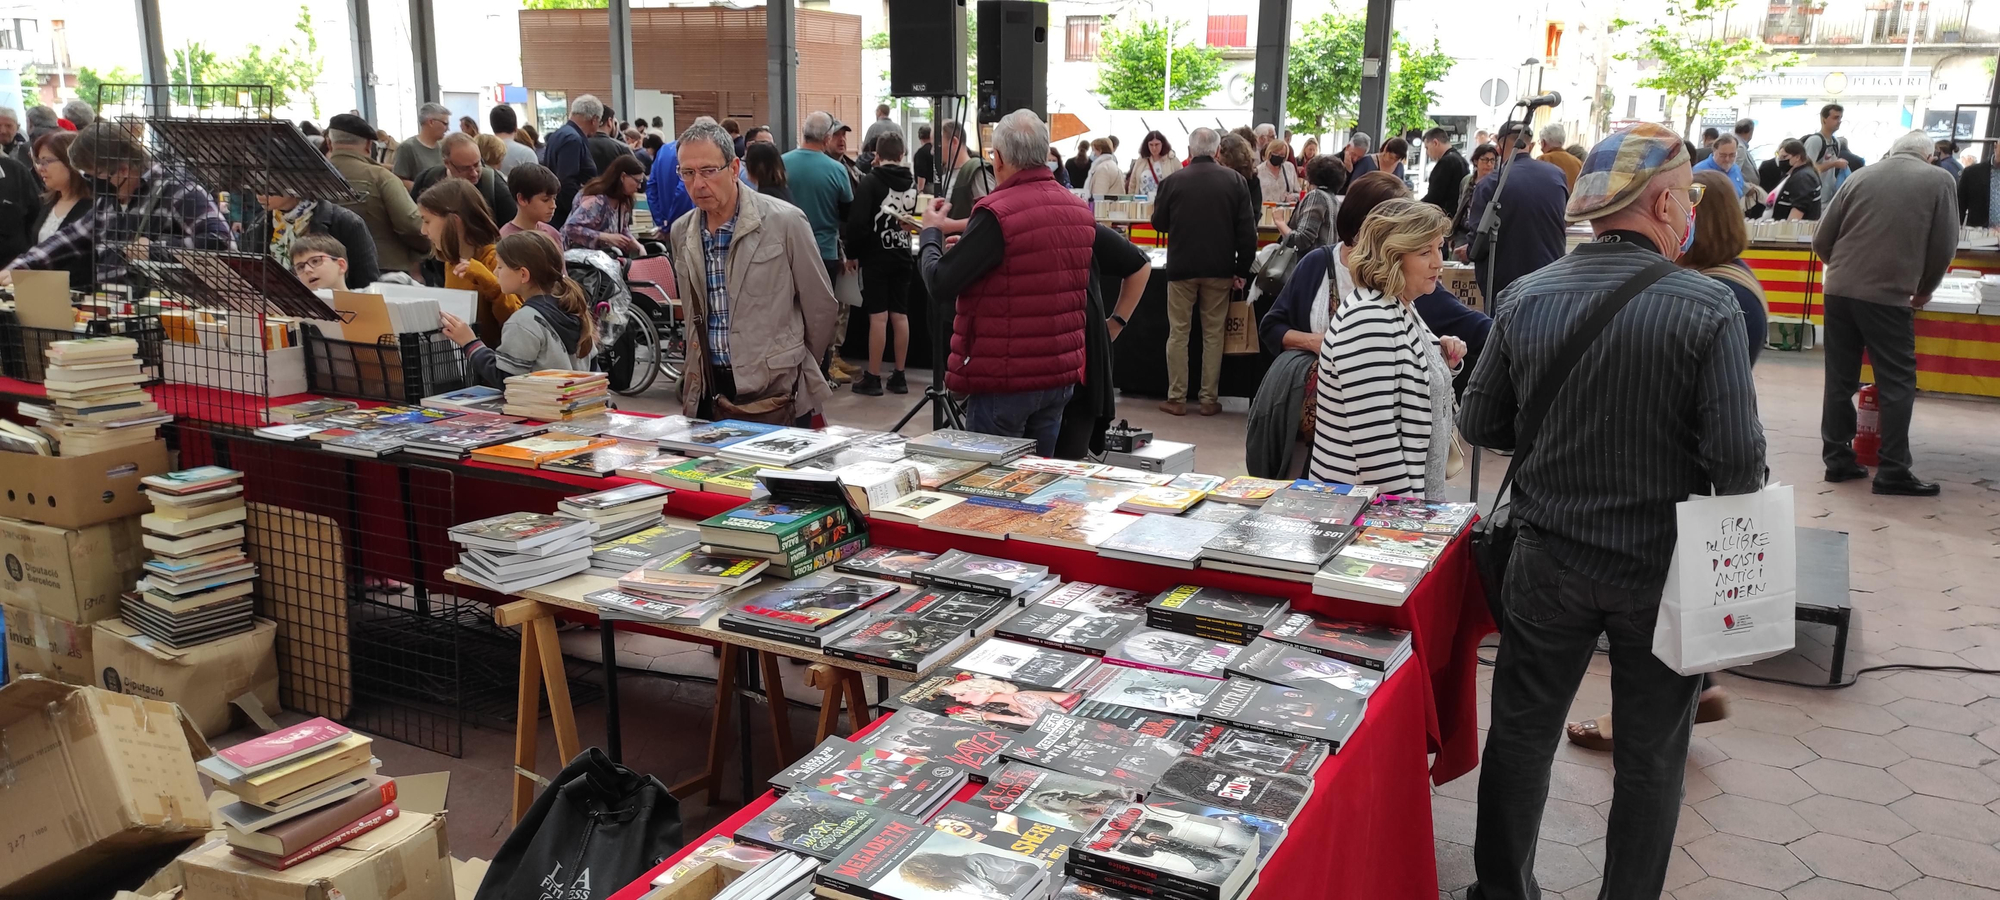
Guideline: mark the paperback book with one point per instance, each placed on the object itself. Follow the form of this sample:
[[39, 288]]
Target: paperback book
[[706, 438], [1247, 490], [1093, 749], [1002, 483], [1167, 651], [1217, 512], [1332, 488], [1171, 501], [1326, 509], [973, 572], [1378, 647], [1025, 664], [1418, 514], [1270, 833], [984, 700], [1259, 751], [1280, 542], [934, 472], [918, 633], [1038, 840], [888, 563], [903, 862], [1235, 616], [814, 823], [974, 748], [1093, 494], [784, 447], [1072, 526], [873, 776], [1169, 693], [971, 445], [1079, 617], [1056, 798], [1283, 664], [1195, 856], [1366, 580], [814, 603], [1413, 548], [1275, 797], [603, 460], [981, 517], [1162, 540], [1321, 715]]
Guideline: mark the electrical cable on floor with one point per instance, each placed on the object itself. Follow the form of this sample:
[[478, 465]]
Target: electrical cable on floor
[[1767, 679]]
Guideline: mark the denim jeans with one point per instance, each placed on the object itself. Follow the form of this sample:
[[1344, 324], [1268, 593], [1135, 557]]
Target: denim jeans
[[1034, 414], [1554, 617]]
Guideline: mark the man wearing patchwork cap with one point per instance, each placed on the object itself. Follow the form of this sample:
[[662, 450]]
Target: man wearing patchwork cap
[[1660, 406]]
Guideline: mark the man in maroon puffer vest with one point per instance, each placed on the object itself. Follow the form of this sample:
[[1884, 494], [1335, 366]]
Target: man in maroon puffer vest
[[1020, 275]]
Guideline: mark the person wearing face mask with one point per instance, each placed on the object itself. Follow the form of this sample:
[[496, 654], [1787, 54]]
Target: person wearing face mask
[[1106, 179], [1278, 178], [1660, 406]]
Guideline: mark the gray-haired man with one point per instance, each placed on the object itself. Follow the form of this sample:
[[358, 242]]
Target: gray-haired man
[[12, 141], [420, 151], [567, 152], [1553, 153]]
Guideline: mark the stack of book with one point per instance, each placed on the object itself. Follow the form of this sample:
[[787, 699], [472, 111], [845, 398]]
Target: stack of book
[[616, 556], [1418, 514], [299, 792], [388, 430], [804, 523], [809, 613], [1232, 616], [710, 475], [1377, 647], [198, 585], [476, 399], [1027, 665], [1163, 540], [1285, 665], [516, 551], [556, 395], [690, 576], [308, 410], [619, 511], [95, 402], [986, 574], [1089, 748], [1123, 853], [957, 444], [534, 451], [1329, 716], [922, 630], [1275, 546]]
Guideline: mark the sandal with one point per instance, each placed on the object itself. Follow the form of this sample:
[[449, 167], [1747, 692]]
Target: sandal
[[1590, 734], [1712, 707]]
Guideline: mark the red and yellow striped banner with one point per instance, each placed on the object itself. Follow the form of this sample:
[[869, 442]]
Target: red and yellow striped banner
[[1791, 282], [1956, 354]]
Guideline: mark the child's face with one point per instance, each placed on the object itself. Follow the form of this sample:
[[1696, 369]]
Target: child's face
[[320, 271], [435, 226], [512, 279], [539, 208]]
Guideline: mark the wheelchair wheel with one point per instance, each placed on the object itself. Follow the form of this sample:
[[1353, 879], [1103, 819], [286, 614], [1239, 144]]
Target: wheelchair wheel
[[633, 353]]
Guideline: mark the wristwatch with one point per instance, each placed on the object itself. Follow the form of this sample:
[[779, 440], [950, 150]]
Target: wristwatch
[[1119, 319]]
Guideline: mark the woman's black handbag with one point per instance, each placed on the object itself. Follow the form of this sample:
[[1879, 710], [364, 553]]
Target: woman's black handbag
[[1493, 537]]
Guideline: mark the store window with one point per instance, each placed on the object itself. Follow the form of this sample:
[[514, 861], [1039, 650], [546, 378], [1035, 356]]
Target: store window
[[1229, 31], [1080, 44]]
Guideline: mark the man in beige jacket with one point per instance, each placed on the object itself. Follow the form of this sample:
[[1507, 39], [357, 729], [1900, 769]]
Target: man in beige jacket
[[760, 311]]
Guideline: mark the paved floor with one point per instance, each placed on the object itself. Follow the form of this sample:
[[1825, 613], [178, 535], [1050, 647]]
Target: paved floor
[[1887, 789]]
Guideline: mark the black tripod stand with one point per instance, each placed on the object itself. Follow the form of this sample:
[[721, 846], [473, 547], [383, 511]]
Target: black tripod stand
[[945, 412]]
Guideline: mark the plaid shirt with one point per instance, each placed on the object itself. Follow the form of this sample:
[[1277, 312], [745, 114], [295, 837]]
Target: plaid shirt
[[169, 213], [715, 264]]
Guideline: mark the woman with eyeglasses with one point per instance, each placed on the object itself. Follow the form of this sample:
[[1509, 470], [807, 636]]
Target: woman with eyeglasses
[[1485, 158], [602, 217], [285, 218], [66, 200]]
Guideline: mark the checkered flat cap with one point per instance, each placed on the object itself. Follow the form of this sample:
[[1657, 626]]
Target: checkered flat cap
[[1619, 167]]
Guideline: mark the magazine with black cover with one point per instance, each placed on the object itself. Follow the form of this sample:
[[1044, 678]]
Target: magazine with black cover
[[917, 633], [973, 572], [984, 700], [1171, 693], [1270, 833], [816, 824], [1204, 858], [623, 554], [1328, 716], [1327, 509], [1279, 542], [817, 639], [1183, 730], [1094, 749], [1168, 651], [1378, 647], [1163, 540], [1207, 781], [1062, 800], [814, 602], [890, 563], [873, 776], [1038, 840], [1259, 751], [1079, 617], [970, 445], [1279, 663], [898, 863], [1026, 664], [975, 748], [1216, 610]]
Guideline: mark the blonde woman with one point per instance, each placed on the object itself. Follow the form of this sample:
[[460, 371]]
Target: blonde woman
[[1106, 178], [492, 150], [1385, 404]]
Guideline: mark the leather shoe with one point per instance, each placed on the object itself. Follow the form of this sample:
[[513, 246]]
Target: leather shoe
[[1210, 407], [1173, 407], [1906, 487], [1851, 472]]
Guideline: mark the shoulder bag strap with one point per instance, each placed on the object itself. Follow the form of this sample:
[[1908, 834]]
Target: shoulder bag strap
[[1529, 420]]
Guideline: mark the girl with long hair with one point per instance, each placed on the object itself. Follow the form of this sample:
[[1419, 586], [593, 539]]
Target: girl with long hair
[[766, 166], [462, 235], [602, 216], [555, 327]]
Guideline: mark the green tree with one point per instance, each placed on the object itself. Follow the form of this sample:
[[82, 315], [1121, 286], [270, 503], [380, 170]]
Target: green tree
[[1690, 63], [292, 71], [88, 80], [1411, 84], [1132, 62], [1323, 73]]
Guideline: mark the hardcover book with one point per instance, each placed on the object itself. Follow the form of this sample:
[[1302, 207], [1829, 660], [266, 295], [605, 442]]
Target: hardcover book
[[1418, 514], [1218, 512], [934, 472], [901, 862], [695, 474], [640, 606], [604, 460], [1415, 548], [530, 452], [1326, 509], [1062, 800], [709, 437], [981, 517], [917, 506], [1277, 663], [1002, 483], [874, 777], [973, 572], [773, 526], [1038, 840], [1377, 647], [1321, 715], [1170, 693], [284, 745], [816, 824], [709, 568], [1333, 488], [784, 447], [454, 438], [1270, 833], [1025, 664], [1368, 580], [616, 502], [813, 604], [1169, 501], [1276, 797], [889, 563], [984, 700], [974, 748], [970, 445], [1259, 751], [1162, 540], [649, 429], [1247, 490], [1167, 651], [1196, 856], [1079, 617], [1218, 610], [1093, 494], [475, 399], [1279, 542], [1072, 467]]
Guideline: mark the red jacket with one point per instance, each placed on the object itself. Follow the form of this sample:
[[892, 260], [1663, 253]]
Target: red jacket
[[1020, 328]]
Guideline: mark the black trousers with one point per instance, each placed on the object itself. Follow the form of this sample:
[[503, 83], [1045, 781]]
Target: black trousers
[[1554, 616], [1890, 335]]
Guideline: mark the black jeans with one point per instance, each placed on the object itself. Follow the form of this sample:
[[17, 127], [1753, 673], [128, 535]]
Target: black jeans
[[1890, 334], [1554, 616]]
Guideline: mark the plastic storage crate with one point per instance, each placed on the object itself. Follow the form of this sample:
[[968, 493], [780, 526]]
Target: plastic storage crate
[[24, 350], [403, 368]]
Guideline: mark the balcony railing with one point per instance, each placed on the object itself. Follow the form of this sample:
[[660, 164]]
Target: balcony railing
[[1867, 23]]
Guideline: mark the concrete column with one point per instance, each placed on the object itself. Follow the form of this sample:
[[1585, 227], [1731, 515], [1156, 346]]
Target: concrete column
[[361, 37], [1375, 61], [781, 42], [423, 51], [1274, 34], [621, 98]]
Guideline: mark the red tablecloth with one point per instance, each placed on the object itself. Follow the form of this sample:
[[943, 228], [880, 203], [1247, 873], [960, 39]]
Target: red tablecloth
[[1366, 832]]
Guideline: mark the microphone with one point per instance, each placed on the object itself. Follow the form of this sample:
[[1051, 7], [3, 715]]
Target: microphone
[[1551, 98]]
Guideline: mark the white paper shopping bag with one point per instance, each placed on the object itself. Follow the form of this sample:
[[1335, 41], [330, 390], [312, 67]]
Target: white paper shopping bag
[[1733, 583]]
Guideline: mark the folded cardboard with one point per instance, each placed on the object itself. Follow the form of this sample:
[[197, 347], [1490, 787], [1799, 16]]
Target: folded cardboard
[[93, 779], [702, 881], [405, 859], [205, 679], [74, 491], [47, 646], [74, 574]]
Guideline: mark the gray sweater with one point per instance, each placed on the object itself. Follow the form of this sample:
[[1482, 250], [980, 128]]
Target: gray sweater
[[1890, 233]]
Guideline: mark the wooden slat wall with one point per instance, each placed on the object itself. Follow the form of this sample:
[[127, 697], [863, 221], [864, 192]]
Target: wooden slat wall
[[711, 59]]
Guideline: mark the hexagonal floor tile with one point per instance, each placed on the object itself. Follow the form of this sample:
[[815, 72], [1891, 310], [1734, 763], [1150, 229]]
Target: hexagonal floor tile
[[1559, 867], [1828, 889], [1723, 889], [1854, 746], [1579, 783], [1951, 858], [1940, 716], [1853, 818], [1747, 861], [1752, 818], [1941, 889], [1852, 861], [1763, 747], [1737, 776], [1944, 747], [1951, 818], [1855, 782], [1571, 823], [1941, 780]]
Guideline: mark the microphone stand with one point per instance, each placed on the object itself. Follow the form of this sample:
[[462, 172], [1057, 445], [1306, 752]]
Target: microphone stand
[[944, 410], [1486, 242]]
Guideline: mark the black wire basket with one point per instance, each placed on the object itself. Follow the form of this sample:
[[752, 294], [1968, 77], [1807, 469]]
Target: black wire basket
[[399, 368], [24, 350]]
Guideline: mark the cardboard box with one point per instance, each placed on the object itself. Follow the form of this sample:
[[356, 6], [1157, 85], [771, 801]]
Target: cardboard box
[[93, 779], [74, 491], [48, 646], [406, 859], [204, 679], [71, 574], [1460, 280]]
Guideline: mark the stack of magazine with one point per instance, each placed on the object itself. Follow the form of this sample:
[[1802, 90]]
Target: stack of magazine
[[516, 551], [1400, 540], [198, 585], [619, 511], [691, 575]]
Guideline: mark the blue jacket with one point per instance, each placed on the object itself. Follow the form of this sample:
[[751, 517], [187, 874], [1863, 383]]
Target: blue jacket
[[1734, 172], [567, 154], [1532, 223], [666, 195], [1292, 311]]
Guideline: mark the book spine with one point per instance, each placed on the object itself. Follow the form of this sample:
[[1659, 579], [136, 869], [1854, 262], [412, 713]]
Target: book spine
[[354, 829], [782, 636], [297, 835], [883, 661], [1354, 659], [1119, 875], [803, 564]]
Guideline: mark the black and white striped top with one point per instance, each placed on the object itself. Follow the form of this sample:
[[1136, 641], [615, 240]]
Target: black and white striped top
[[1374, 423], [1660, 408]]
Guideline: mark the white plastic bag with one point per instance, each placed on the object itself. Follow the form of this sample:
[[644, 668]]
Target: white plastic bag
[[1733, 582]]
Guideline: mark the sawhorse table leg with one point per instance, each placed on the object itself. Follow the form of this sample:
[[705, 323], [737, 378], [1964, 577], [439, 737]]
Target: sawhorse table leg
[[541, 661], [836, 686], [718, 742]]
